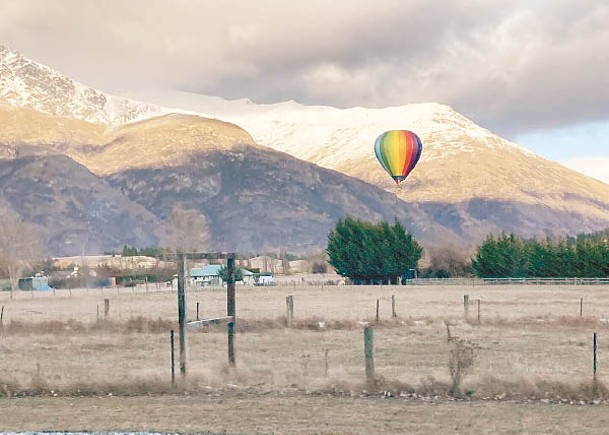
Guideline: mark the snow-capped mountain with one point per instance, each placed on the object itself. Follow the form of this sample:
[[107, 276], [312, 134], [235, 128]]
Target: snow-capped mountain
[[468, 179], [25, 83], [304, 131], [342, 139]]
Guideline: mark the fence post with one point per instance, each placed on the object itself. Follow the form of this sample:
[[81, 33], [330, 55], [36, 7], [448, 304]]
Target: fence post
[[393, 313], [581, 307], [369, 354], [289, 308], [1, 315], [106, 307], [377, 309], [230, 307], [197, 311], [173, 359], [466, 304], [478, 310], [182, 310], [594, 356]]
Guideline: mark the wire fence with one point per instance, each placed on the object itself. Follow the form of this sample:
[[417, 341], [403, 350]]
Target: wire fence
[[520, 338], [508, 281]]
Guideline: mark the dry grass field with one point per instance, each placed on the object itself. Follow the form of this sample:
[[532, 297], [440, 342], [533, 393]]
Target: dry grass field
[[532, 354]]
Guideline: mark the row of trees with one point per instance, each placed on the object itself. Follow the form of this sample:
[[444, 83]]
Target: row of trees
[[372, 252], [513, 256], [379, 252], [162, 253]]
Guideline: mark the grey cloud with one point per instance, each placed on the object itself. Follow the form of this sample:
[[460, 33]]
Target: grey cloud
[[512, 66]]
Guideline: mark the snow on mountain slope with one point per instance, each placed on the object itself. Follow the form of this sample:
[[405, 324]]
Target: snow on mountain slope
[[25, 83], [305, 130], [460, 159]]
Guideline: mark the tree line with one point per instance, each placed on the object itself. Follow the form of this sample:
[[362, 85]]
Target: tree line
[[370, 253], [512, 256]]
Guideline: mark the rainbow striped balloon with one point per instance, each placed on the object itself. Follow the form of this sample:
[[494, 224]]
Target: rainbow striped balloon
[[398, 151]]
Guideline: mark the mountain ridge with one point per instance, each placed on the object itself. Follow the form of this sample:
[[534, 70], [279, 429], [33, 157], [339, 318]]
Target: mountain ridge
[[252, 197], [461, 162], [468, 182], [24, 82]]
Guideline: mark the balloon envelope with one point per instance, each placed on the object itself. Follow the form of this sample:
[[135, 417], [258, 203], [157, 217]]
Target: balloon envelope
[[398, 151]]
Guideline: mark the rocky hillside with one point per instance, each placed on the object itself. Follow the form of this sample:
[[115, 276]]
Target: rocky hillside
[[253, 198], [256, 199], [468, 178], [74, 211]]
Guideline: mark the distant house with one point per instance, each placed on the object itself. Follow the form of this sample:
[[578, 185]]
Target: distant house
[[208, 276]]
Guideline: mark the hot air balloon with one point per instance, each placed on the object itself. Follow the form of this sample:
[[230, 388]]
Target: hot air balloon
[[398, 151]]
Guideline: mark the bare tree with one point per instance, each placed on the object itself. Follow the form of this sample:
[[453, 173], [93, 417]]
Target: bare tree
[[453, 261], [188, 230], [20, 245]]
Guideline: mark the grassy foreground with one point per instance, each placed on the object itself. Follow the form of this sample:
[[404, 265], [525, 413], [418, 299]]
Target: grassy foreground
[[242, 414], [63, 368]]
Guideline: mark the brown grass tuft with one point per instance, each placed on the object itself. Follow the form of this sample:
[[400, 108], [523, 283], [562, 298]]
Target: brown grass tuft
[[541, 389]]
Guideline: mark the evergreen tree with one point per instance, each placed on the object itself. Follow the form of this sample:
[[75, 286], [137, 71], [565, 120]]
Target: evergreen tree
[[129, 251], [367, 252], [502, 257], [586, 256], [237, 274]]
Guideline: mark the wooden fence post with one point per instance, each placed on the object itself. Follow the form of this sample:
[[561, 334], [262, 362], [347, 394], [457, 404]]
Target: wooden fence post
[[594, 356], [581, 307], [230, 307], [106, 307], [377, 309], [182, 311], [289, 308], [393, 313], [173, 360], [369, 354], [466, 304], [478, 310]]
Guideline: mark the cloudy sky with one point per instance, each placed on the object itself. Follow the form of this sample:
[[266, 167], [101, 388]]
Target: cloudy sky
[[534, 71]]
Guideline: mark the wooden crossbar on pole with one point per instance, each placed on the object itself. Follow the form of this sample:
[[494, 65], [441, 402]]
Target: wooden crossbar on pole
[[198, 324], [184, 325]]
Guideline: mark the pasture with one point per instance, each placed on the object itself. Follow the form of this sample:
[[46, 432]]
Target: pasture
[[530, 344]]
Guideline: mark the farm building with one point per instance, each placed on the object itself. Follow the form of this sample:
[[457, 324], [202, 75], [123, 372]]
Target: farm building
[[208, 276]]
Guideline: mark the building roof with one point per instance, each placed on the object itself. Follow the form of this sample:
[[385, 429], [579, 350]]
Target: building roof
[[209, 270]]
